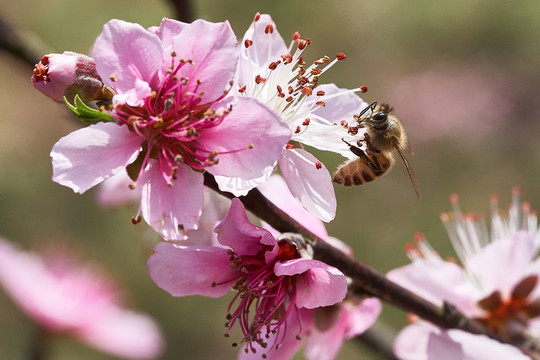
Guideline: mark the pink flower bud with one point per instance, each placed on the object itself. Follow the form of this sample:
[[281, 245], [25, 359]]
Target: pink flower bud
[[69, 74]]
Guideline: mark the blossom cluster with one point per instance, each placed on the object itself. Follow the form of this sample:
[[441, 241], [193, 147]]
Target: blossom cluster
[[174, 108]]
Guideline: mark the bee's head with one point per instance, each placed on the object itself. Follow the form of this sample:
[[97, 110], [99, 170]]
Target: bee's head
[[378, 120]]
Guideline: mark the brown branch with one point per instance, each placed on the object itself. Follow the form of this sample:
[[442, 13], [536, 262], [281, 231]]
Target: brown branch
[[183, 10], [366, 281]]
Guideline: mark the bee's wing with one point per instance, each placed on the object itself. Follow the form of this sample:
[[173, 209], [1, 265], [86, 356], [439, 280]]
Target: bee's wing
[[367, 111], [409, 170]]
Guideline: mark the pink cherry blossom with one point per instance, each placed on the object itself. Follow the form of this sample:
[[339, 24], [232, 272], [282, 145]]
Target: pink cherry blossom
[[171, 121], [496, 283], [271, 72], [272, 280], [63, 297]]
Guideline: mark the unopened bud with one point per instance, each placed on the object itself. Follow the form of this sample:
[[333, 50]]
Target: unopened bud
[[70, 74]]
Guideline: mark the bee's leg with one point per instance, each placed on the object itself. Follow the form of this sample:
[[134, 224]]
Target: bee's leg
[[365, 158]]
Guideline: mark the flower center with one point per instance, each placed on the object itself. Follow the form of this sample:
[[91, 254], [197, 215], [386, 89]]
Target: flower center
[[509, 317], [170, 121], [264, 300]]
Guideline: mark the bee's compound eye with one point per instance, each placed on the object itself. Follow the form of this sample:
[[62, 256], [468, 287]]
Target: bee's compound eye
[[380, 116]]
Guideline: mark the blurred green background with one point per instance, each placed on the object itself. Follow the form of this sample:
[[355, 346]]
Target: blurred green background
[[462, 75]]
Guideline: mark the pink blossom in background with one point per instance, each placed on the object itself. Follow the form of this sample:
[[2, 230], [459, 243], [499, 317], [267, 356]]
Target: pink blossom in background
[[457, 102], [273, 73], [66, 298], [496, 284], [273, 282], [171, 121]]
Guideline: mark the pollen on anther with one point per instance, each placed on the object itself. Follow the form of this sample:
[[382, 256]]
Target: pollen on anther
[[320, 93], [297, 130], [363, 89], [318, 165], [306, 122], [341, 56], [320, 103], [269, 29], [113, 78], [248, 43], [296, 36], [251, 146], [242, 89], [257, 16]]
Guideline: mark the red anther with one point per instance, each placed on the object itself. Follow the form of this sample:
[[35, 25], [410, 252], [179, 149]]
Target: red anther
[[301, 71], [363, 89], [269, 29], [454, 198], [419, 237], [242, 89], [287, 59], [290, 89], [289, 99], [307, 90], [320, 93], [316, 71], [320, 103], [259, 79], [274, 65], [281, 95], [45, 60], [296, 36], [279, 89], [341, 56], [306, 122], [136, 219], [289, 146], [297, 130], [248, 43], [318, 165], [344, 123], [257, 16]]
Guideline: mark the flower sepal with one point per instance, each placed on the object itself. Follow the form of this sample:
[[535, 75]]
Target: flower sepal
[[87, 114]]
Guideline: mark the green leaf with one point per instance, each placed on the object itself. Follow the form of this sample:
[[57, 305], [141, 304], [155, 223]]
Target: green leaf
[[86, 114]]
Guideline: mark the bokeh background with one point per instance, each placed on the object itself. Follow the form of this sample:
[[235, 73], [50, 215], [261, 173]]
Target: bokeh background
[[463, 77]]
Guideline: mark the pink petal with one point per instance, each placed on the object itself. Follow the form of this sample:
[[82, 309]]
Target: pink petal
[[275, 190], [310, 185], [504, 262], [436, 282], [192, 270], [128, 52], [170, 209], [318, 285], [239, 186], [265, 49], [253, 134], [124, 333], [88, 156], [115, 192], [360, 317], [423, 341], [167, 30], [212, 48], [242, 236]]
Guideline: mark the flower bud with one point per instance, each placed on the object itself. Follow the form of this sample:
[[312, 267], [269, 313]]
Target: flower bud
[[70, 74]]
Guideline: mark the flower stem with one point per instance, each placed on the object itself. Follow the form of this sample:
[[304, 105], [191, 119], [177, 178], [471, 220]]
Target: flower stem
[[366, 281]]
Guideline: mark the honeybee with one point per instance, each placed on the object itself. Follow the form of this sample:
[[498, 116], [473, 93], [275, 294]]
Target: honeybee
[[383, 137]]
